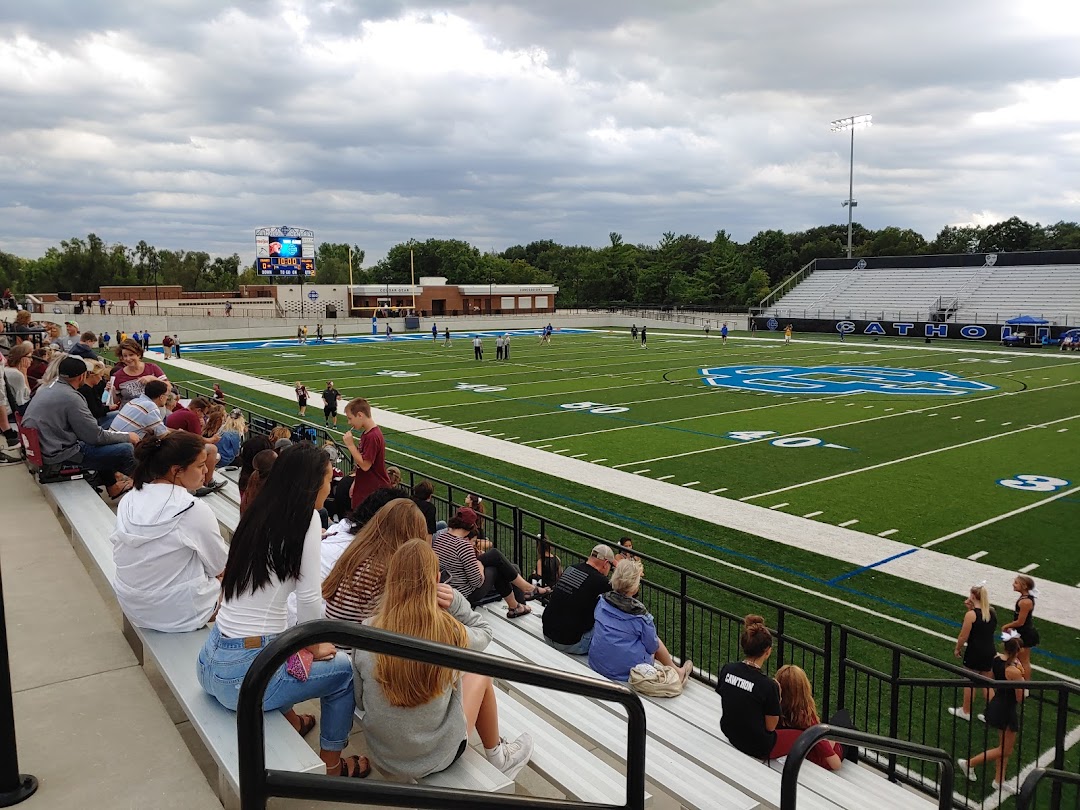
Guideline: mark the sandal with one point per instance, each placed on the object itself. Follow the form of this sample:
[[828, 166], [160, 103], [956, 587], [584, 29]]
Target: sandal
[[520, 610], [539, 591], [307, 724], [361, 767], [124, 487]]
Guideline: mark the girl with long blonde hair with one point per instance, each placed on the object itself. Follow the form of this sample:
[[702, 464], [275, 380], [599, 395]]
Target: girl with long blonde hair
[[798, 712], [976, 643], [417, 716], [355, 584]]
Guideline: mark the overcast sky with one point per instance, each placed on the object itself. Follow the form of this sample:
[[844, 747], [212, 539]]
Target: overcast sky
[[190, 122]]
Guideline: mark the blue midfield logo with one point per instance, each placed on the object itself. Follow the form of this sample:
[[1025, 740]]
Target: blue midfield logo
[[834, 380]]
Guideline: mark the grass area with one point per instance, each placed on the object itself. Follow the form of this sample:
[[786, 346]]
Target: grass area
[[922, 498]]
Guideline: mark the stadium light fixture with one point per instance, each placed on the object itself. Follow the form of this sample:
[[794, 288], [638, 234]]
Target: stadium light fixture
[[852, 122]]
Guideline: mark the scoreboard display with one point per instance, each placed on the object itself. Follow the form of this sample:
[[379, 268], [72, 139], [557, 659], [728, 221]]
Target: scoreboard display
[[285, 251]]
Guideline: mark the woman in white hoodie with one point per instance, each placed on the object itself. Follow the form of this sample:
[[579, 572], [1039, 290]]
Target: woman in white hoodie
[[168, 549]]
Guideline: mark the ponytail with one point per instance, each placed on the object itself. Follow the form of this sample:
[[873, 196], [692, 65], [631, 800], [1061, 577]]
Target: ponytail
[[755, 638], [981, 597], [156, 455]]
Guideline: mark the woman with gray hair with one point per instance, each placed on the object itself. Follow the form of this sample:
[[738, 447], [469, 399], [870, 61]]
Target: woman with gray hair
[[625, 642]]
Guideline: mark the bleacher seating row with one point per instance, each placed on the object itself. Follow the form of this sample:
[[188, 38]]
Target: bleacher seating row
[[688, 757], [975, 294]]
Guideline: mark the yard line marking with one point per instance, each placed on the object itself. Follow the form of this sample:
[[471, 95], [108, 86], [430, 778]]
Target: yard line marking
[[905, 458], [564, 450], [931, 414], [867, 407], [819, 428], [640, 472], [691, 483], [848, 523], [1005, 516], [957, 417], [888, 409], [1028, 568], [849, 404], [979, 420], [511, 438], [542, 446], [598, 460], [484, 430], [494, 435], [578, 455], [665, 477], [887, 532], [978, 555], [714, 491], [814, 514], [1006, 424], [779, 505], [1063, 430]]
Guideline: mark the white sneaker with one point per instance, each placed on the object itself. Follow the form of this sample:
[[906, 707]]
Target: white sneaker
[[965, 769], [982, 717], [511, 757], [1007, 788], [958, 711]]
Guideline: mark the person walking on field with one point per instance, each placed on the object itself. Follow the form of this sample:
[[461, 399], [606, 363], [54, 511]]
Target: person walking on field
[[723, 335], [644, 338], [478, 348], [976, 643], [499, 347], [330, 397], [446, 338], [506, 346], [787, 334], [707, 328], [434, 333]]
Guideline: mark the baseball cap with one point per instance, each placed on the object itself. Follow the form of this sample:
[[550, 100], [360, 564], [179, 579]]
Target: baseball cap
[[602, 552], [72, 323], [71, 367], [467, 516]]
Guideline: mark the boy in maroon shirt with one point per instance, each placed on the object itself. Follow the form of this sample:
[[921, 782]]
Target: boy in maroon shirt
[[370, 457]]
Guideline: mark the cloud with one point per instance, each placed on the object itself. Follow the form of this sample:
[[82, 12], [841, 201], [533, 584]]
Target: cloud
[[190, 123]]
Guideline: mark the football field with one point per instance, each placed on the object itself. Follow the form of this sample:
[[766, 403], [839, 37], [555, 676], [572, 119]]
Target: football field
[[970, 450]]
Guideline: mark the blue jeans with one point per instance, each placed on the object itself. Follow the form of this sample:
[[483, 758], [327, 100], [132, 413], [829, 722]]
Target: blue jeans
[[223, 663], [108, 458], [581, 648], [106, 421]]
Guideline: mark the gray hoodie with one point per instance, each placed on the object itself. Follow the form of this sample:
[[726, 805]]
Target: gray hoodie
[[62, 417], [168, 552], [415, 742]]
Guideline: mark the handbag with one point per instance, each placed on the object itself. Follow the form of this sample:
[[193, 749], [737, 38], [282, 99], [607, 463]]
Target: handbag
[[657, 680], [299, 664]]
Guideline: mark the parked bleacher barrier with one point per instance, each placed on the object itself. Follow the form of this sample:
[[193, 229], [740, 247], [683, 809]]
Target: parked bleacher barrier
[[15, 787], [809, 738], [888, 689], [258, 784], [1026, 798]]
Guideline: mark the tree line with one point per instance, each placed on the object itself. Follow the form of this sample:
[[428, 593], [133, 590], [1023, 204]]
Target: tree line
[[678, 270]]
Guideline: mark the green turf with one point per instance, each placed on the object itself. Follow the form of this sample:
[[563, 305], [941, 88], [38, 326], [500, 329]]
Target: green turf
[[922, 498]]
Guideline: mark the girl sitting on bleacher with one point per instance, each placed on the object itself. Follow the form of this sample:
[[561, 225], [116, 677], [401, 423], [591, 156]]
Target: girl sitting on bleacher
[[275, 552], [167, 545], [417, 717]]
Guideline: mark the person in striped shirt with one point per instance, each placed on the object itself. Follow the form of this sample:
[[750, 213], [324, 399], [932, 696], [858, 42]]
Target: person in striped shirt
[[144, 415]]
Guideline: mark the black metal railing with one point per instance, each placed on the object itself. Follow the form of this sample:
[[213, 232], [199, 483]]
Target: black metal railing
[[789, 780], [1026, 798], [911, 701], [889, 690], [258, 784]]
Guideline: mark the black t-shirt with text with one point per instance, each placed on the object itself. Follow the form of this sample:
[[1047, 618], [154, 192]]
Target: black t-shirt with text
[[748, 697], [569, 614]]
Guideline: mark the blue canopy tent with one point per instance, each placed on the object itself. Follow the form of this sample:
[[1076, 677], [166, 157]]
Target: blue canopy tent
[[1027, 320], [1022, 337]]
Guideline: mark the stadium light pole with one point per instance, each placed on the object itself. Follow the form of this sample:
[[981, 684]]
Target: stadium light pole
[[852, 122]]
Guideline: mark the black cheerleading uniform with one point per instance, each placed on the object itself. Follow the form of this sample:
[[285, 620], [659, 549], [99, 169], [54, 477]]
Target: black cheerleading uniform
[[1001, 710], [1028, 634], [980, 650]]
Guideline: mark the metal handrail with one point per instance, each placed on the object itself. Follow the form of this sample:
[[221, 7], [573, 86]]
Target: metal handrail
[[257, 783], [789, 780], [1026, 795]]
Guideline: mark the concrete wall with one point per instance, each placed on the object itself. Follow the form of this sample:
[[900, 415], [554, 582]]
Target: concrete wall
[[201, 328]]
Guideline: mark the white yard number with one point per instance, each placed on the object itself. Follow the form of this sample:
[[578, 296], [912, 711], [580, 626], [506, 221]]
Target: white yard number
[[1034, 483], [385, 373], [593, 407], [749, 435], [796, 441], [480, 389]]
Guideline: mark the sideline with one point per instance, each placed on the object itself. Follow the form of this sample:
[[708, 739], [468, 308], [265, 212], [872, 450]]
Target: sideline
[[938, 570]]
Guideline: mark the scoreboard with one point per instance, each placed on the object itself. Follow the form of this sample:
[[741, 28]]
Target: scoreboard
[[285, 251]]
